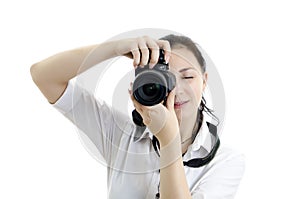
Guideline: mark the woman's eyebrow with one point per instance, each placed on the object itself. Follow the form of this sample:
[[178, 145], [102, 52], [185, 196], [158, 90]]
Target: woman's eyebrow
[[185, 69]]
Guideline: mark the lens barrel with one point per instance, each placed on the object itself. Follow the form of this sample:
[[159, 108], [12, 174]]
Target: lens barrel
[[150, 87]]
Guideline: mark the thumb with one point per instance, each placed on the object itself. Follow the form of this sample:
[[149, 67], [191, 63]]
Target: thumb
[[170, 99]]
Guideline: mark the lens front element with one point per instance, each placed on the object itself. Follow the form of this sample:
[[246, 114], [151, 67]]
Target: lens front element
[[150, 88]]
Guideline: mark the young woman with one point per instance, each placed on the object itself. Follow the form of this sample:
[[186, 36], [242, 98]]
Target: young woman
[[177, 153]]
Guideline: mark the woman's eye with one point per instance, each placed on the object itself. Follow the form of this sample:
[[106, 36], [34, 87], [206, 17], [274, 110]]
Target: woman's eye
[[188, 77]]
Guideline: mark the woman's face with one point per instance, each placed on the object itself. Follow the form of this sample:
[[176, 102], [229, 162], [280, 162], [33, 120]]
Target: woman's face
[[190, 83]]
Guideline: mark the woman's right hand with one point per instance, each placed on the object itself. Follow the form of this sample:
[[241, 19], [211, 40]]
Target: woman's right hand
[[139, 49]]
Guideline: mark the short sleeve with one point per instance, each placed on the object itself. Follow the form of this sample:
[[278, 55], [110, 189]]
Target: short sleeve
[[104, 126], [222, 178], [64, 103]]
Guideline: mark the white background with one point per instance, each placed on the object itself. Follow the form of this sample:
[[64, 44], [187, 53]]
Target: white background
[[254, 44]]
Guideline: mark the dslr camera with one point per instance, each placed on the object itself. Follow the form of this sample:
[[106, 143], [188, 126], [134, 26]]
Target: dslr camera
[[152, 86]]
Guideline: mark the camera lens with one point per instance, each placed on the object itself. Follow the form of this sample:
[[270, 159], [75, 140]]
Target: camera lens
[[150, 94], [150, 88]]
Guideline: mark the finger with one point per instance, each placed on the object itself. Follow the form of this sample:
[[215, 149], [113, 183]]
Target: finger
[[145, 56], [130, 89], [153, 46], [131, 96], [165, 45], [142, 44], [136, 104], [136, 57], [170, 99]]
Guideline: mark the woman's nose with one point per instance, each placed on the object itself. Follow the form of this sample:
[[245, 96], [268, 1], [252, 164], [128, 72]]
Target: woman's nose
[[179, 85]]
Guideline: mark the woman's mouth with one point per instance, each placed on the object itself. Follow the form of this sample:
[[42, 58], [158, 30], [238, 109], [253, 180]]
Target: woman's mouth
[[178, 105]]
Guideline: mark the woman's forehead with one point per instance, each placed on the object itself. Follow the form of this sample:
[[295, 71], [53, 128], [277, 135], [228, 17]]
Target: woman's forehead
[[183, 58]]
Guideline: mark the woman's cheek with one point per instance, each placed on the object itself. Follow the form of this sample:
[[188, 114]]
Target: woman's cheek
[[196, 88], [179, 115]]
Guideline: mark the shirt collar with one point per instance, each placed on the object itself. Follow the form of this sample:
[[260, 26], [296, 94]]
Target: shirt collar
[[141, 133], [203, 138]]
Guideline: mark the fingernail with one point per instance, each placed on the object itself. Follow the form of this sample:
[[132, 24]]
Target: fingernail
[[174, 89], [151, 65], [167, 59]]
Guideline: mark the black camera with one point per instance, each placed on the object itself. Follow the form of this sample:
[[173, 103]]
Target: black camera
[[152, 86]]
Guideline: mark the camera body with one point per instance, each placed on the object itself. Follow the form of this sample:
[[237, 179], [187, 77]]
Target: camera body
[[152, 86]]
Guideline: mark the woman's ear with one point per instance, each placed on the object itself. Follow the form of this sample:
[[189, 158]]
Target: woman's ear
[[204, 79]]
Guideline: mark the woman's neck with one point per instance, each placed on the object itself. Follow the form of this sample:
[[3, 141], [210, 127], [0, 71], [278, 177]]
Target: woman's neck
[[187, 128]]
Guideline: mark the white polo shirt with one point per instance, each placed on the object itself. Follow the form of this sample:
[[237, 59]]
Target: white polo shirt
[[132, 163]]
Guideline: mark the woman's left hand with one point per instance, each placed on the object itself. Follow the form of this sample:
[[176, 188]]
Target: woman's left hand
[[161, 120]]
